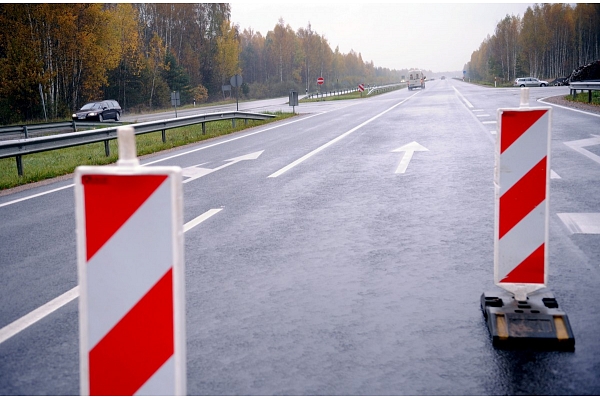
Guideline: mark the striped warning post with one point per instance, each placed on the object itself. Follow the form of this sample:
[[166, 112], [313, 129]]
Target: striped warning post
[[522, 176], [130, 257]]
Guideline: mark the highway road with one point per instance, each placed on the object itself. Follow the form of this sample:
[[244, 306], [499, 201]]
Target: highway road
[[326, 265]]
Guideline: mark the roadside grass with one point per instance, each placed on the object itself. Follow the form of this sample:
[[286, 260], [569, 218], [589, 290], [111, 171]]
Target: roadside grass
[[584, 97], [51, 164]]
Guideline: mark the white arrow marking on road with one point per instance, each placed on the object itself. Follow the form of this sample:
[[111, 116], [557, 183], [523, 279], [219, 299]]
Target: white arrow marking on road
[[194, 172], [578, 145], [409, 150]]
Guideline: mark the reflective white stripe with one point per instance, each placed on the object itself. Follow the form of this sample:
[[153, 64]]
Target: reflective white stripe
[[523, 154], [161, 383], [522, 240], [130, 263]]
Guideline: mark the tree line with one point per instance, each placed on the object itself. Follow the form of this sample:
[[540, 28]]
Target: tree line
[[549, 41], [56, 57]]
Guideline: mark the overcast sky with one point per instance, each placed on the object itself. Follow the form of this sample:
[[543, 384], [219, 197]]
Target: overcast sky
[[432, 36]]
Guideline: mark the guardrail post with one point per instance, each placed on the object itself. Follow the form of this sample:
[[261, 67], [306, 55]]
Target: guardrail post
[[246, 121], [19, 165], [106, 148], [164, 136], [203, 128], [233, 122], [25, 131], [589, 96], [74, 126]]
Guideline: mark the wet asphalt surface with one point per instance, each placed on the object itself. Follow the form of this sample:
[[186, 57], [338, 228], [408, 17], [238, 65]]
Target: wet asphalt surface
[[339, 276]]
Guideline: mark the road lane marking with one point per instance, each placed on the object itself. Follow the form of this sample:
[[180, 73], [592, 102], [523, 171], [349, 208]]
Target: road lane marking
[[489, 122], [568, 108], [174, 156], [35, 195], [462, 97], [23, 323], [235, 138], [312, 153], [554, 175], [198, 220], [578, 145], [409, 150], [194, 173], [587, 223]]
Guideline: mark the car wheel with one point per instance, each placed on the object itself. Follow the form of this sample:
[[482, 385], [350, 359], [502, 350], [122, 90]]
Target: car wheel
[[117, 116], [522, 85], [543, 84], [100, 119]]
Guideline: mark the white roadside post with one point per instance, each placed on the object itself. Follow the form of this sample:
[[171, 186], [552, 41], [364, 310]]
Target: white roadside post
[[526, 314], [131, 276]]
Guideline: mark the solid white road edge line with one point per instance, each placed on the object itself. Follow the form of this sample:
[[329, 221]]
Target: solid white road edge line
[[312, 153], [23, 323], [463, 97], [174, 156], [35, 195], [568, 108]]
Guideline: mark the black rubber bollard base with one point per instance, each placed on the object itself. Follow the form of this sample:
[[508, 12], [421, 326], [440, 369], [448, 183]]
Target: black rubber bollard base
[[536, 323]]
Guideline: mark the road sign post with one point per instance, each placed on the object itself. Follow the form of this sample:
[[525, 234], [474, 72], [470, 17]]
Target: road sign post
[[293, 101], [236, 81], [522, 185], [131, 278], [175, 101], [320, 81]]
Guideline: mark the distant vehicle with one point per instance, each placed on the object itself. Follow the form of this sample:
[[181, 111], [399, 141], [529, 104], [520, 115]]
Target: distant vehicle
[[99, 111], [558, 82], [443, 77], [529, 81], [416, 79]]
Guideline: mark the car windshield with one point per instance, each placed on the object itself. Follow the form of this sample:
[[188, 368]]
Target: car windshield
[[91, 106]]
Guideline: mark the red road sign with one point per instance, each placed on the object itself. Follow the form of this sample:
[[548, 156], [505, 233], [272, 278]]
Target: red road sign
[[320, 81], [361, 87]]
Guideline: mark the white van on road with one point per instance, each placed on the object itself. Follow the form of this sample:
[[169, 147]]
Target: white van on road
[[416, 79]]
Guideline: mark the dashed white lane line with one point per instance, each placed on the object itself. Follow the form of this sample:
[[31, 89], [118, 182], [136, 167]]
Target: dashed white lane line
[[319, 149], [489, 122], [23, 323]]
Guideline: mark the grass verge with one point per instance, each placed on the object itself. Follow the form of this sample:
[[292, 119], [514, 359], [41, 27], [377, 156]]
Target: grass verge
[[51, 164], [584, 97]]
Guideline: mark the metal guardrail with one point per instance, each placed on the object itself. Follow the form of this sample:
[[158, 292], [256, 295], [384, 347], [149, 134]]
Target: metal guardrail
[[20, 147], [329, 93], [25, 129], [386, 88], [584, 85]]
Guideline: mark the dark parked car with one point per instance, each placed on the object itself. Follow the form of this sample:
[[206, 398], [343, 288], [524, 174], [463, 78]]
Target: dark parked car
[[99, 111], [558, 82]]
